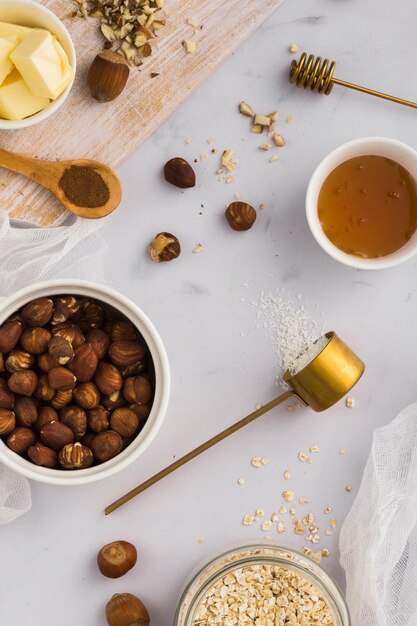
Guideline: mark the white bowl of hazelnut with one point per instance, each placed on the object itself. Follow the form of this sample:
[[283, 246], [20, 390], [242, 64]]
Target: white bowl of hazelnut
[[84, 382]]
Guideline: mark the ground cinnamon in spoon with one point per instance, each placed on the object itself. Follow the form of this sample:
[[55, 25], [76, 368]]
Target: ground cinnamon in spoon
[[83, 186]]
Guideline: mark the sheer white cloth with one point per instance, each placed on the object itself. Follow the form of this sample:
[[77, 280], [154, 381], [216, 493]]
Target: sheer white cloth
[[378, 541], [29, 254]]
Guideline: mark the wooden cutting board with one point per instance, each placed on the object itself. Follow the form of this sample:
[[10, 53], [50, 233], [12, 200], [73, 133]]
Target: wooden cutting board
[[110, 132]]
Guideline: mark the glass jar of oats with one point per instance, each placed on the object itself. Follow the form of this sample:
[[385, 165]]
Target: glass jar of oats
[[262, 585]]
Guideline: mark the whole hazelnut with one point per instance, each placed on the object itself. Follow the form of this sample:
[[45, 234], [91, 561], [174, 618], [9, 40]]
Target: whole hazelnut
[[19, 360], [26, 411], [107, 76], [87, 439], [98, 419], [42, 455], [85, 363], [75, 456], [61, 350], [61, 378], [35, 340], [6, 396], [87, 395], [240, 215], [1, 362], [108, 378], [117, 558], [7, 421], [10, 334], [20, 439], [75, 418], [137, 390], [64, 307], [90, 315], [179, 172], [134, 369], [124, 421], [38, 312], [142, 411], [99, 341], [164, 247], [114, 400], [45, 414], [71, 332], [61, 399], [56, 435], [23, 382], [123, 353], [125, 609], [44, 391], [106, 445], [122, 330], [45, 362]]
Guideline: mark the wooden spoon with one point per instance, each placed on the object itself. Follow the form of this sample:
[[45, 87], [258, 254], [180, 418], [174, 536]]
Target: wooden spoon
[[49, 173]]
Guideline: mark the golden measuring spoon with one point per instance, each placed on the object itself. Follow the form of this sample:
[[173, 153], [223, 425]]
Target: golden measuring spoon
[[320, 384], [49, 173], [317, 75]]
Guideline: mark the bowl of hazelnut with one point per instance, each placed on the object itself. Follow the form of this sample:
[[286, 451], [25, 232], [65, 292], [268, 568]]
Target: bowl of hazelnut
[[84, 382]]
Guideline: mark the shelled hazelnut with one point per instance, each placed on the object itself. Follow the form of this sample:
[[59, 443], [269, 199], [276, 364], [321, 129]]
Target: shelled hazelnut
[[75, 382]]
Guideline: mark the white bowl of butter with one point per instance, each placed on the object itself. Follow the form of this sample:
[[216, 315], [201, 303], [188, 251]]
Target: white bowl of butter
[[37, 63]]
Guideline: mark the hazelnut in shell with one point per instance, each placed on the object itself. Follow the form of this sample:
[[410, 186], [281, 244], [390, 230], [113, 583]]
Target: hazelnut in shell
[[7, 421], [137, 390], [64, 307], [108, 378], [61, 398], [10, 334], [41, 455], [61, 350], [23, 382], [75, 456], [98, 419], [99, 341], [61, 378], [240, 215], [107, 76], [87, 395], [37, 312], [45, 414], [125, 609], [56, 435], [19, 360], [117, 558], [20, 439], [26, 411], [124, 421], [35, 340], [123, 353], [7, 398], [122, 330], [106, 445], [75, 418], [44, 391], [85, 363], [164, 247], [179, 173]]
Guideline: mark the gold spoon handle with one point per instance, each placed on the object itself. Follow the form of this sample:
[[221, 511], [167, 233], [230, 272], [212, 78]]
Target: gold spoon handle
[[372, 92], [204, 446]]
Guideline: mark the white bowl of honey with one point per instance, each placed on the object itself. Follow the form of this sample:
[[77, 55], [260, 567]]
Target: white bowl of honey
[[361, 203]]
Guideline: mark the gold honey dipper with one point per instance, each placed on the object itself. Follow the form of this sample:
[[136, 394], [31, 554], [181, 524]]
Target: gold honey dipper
[[321, 383], [317, 75]]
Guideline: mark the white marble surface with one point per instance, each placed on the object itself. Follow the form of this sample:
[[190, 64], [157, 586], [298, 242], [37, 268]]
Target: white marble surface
[[222, 366]]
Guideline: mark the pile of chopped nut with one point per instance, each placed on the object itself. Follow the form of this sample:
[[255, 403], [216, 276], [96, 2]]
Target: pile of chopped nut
[[265, 595], [127, 25]]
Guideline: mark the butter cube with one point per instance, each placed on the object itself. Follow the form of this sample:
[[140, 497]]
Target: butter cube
[[14, 30], [43, 64], [6, 65], [16, 101]]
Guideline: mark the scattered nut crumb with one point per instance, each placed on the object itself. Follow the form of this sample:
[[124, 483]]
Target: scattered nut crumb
[[188, 141], [241, 481], [198, 248], [268, 538], [266, 525], [262, 120], [350, 402], [265, 460], [348, 488], [272, 160], [315, 539], [290, 409], [265, 146], [203, 156], [325, 552], [230, 179], [314, 449], [328, 532], [201, 540], [302, 456], [256, 461], [192, 22], [282, 510], [278, 140], [259, 513], [342, 451], [308, 519], [333, 523], [189, 45], [262, 206], [328, 510], [299, 530], [281, 527], [257, 128], [303, 501], [294, 48], [245, 109], [292, 511], [290, 118], [273, 116], [287, 474], [258, 406], [288, 496], [248, 520], [227, 161], [274, 517], [154, 74]]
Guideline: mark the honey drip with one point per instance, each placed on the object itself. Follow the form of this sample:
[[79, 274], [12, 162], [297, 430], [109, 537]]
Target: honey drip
[[367, 206]]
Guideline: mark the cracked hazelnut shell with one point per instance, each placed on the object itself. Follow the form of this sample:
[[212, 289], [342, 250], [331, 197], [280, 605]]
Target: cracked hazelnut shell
[[117, 558], [164, 247], [240, 215]]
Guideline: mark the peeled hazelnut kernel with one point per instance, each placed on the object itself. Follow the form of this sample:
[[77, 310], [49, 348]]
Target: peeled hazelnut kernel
[[75, 418], [106, 445], [87, 395], [164, 247], [61, 350], [124, 421], [123, 353], [61, 398], [107, 76], [56, 435], [179, 172], [60, 378], [99, 341], [117, 558], [108, 378], [35, 340], [23, 382], [26, 411], [44, 391], [122, 330], [71, 332], [45, 414], [64, 307], [42, 455], [98, 419], [38, 312], [19, 360], [240, 215], [85, 363], [6, 396], [10, 334], [7, 421], [75, 456], [125, 609], [20, 439], [137, 390]]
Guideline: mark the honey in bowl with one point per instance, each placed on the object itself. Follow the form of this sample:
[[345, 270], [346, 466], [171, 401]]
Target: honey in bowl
[[367, 206]]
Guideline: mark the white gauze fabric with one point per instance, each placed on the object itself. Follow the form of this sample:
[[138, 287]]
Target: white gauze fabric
[[378, 541], [29, 254]]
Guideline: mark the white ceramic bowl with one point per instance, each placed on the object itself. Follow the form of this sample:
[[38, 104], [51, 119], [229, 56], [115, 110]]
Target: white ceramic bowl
[[31, 13], [162, 382], [379, 146]]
